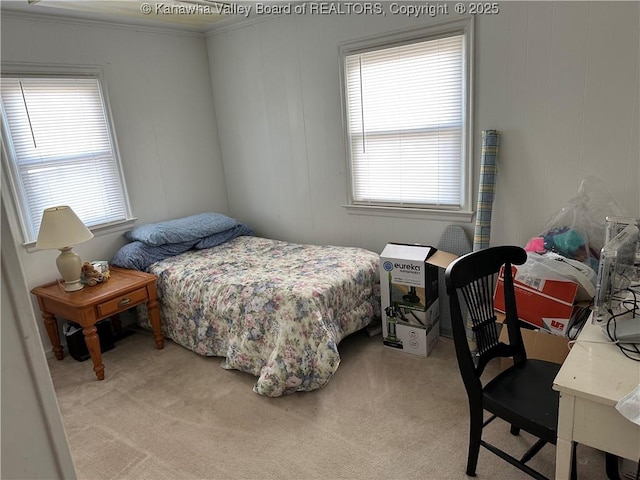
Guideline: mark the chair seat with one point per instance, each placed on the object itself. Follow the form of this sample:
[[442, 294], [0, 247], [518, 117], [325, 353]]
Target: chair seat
[[523, 396]]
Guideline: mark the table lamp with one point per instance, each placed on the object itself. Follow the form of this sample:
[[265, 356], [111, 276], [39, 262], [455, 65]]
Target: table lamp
[[61, 228]]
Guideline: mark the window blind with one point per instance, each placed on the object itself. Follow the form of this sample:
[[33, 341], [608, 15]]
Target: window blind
[[62, 149], [405, 120]]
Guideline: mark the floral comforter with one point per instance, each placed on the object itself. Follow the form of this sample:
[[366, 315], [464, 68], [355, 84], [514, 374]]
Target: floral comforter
[[273, 309]]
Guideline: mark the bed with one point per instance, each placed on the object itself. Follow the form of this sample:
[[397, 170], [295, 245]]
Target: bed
[[274, 309]]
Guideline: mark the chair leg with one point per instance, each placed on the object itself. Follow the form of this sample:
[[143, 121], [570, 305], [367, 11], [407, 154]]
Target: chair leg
[[475, 435], [514, 430], [533, 451], [611, 466]]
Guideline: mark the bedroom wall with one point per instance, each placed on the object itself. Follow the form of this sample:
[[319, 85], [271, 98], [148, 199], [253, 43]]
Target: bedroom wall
[[33, 444], [161, 103], [559, 80], [545, 74]]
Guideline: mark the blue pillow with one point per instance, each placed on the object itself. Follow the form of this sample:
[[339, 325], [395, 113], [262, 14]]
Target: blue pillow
[[180, 230], [139, 255], [222, 237]]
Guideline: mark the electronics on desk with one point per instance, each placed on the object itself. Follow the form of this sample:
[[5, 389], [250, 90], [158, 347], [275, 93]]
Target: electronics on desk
[[579, 317], [617, 270], [624, 327], [614, 225], [627, 330]]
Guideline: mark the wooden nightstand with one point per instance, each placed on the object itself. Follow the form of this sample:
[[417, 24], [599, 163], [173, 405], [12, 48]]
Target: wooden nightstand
[[123, 290]]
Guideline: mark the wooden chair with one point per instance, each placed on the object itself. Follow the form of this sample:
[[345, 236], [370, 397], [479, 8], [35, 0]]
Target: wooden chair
[[521, 395]]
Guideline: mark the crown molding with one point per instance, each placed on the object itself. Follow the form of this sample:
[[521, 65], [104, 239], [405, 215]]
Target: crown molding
[[14, 15], [221, 26], [233, 24]]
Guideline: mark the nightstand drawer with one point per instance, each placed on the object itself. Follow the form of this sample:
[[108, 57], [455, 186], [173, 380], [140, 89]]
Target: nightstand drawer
[[122, 303]]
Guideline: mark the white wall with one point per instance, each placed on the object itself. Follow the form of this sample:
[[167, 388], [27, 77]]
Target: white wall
[[161, 102], [34, 444], [559, 80]]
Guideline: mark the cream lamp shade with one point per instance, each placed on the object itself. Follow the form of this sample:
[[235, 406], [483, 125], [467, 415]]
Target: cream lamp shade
[[61, 228]]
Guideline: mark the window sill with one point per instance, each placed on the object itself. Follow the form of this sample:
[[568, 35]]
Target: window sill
[[417, 213], [115, 227]]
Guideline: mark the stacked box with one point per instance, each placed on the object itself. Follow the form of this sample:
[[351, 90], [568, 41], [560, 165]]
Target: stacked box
[[409, 290], [539, 344], [544, 303]]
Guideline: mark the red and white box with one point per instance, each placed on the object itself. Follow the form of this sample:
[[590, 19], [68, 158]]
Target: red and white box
[[546, 304]]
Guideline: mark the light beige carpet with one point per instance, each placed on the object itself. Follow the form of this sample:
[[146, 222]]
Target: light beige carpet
[[171, 414]]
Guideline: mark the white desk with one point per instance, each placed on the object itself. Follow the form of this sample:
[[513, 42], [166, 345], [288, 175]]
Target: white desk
[[593, 378]]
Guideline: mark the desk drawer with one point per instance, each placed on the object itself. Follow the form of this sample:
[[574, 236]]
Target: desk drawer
[[122, 303]]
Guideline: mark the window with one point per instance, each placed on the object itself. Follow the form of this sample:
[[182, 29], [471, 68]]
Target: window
[[407, 108], [61, 150]]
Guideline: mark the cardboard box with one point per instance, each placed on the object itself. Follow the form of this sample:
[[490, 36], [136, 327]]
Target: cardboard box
[[538, 344], [409, 294], [545, 304]]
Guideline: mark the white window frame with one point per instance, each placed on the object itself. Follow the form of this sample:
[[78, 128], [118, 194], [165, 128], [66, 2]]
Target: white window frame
[[463, 25], [10, 181]]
